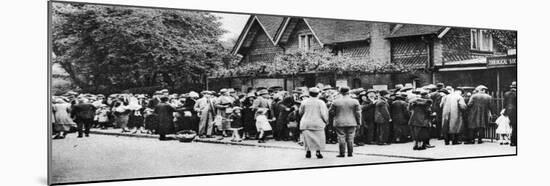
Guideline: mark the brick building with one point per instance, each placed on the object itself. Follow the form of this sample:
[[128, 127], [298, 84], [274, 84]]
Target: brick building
[[456, 56]]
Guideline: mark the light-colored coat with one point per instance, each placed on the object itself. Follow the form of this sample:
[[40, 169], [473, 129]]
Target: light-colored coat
[[346, 112], [314, 114], [452, 106]]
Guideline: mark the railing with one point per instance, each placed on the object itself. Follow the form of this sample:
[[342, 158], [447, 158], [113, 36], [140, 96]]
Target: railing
[[498, 104]]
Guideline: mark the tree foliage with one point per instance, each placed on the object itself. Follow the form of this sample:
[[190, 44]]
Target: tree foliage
[[504, 38], [107, 48], [301, 61]]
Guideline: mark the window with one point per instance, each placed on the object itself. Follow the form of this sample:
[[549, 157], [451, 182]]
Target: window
[[305, 41], [481, 40]]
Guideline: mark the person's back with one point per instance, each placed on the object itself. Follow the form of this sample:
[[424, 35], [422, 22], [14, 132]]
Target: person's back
[[83, 111], [314, 114], [399, 113], [346, 111]]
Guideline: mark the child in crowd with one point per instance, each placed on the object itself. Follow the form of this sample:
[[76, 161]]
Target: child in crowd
[[262, 125], [236, 124], [503, 130], [102, 116], [293, 124], [151, 121]]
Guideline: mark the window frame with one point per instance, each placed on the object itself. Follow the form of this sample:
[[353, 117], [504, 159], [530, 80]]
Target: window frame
[[478, 40], [305, 44]]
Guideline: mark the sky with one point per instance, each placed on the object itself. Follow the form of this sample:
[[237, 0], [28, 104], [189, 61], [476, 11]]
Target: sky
[[233, 23]]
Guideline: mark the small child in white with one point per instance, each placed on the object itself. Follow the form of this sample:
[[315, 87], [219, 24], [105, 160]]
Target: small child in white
[[236, 124], [262, 124], [503, 130]]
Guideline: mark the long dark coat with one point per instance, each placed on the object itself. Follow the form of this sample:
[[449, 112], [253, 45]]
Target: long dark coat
[[479, 106], [381, 111], [399, 113], [164, 113], [420, 112]]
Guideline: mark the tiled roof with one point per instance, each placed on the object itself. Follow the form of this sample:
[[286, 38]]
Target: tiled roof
[[415, 30], [339, 31], [271, 23]]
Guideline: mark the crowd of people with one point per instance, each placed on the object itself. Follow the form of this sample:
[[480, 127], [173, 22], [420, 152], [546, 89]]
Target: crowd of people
[[311, 117]]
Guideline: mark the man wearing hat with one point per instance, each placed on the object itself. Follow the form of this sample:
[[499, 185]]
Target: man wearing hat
[[84, 113], [436, 97], [400, 118], [510, 104], [452, 122], [479, 108], [165, 112], [382, 118], [262, 101], [205, 110], [367, 114], [347, 117], [155, 100]]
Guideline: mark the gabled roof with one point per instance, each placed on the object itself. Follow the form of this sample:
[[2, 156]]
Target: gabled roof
[[415, 30], [330, 31], [269, 24]]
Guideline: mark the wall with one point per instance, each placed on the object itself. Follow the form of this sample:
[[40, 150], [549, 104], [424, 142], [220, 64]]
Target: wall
[[261, 47], [293, 42], [410, 51]]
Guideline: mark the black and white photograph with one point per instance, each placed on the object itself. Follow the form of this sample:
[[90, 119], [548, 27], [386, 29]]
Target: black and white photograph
[[148, 92]]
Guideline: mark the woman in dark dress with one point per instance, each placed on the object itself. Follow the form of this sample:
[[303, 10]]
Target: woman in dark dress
[[285, 108], [136, 120], [249, 123], [420, 121], [188, 115]]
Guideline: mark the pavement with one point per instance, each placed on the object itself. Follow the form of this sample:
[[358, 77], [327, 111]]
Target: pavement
[[110, 154], [402, 150]]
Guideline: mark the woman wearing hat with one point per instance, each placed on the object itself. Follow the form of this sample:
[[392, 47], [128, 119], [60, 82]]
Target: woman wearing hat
[[249, 126], [382, 118], [420, 121], [62, 118], [314, 114]]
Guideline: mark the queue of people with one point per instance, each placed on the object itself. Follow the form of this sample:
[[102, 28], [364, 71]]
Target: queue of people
[[311, 117]]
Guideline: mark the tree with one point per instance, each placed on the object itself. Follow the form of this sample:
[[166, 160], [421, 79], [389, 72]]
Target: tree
[[504, 38], [109, 49]]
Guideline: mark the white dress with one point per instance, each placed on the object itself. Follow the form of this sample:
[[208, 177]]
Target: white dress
[[503, 123], [262, 123]]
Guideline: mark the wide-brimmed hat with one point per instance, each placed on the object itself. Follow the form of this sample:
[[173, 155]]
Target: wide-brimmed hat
[[408, 86], [193, 94], [383, 92], [443, 90], [328, 87], [355, 91], [314, 90], [430, 87], [262, 92], [206, 92], [223, 90], [370, 90], [481, 87], [164, 91], [236, 108], [514, 84], [398, 86]]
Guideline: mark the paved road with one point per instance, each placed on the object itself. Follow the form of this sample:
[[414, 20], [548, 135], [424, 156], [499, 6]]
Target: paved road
[[102, 157]]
